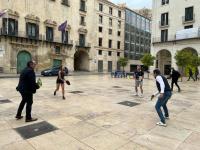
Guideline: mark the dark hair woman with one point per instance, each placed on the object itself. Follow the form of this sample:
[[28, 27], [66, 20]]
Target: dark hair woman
[[60, 82]]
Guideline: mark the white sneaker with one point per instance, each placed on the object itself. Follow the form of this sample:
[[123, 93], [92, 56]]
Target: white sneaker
[[161, 124], [136, 94]]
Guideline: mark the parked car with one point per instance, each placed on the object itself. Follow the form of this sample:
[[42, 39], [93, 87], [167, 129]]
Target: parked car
[[53, 71]]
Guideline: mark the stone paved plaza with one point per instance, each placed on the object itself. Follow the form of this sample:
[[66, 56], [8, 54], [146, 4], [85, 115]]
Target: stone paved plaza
[[92, 118]]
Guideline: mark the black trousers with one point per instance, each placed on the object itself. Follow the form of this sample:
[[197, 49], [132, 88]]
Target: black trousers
[[27, 98], [191, 76], [176, 83]]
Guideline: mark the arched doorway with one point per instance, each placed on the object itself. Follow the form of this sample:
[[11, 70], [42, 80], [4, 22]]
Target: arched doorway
[[81, 61], [191, 50], [163, 61], [22, 58]]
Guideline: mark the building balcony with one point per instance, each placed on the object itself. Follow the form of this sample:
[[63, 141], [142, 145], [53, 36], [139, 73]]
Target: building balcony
[[186, 34], [20, 34], [188, 20], [65, 2], [163, 24], [83, 44]]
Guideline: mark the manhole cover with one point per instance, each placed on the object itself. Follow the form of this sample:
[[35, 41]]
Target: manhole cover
[[128, 103], [34, 130], [76, 92], [3, 101], [117, 87]]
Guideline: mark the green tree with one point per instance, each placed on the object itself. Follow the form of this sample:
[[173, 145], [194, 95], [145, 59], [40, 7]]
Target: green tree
[[123, 62], [147, 60], [185, 59]]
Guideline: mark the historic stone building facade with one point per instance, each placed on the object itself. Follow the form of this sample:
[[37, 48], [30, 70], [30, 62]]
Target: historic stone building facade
[[109, 35], [175, 26], [32, 33], [29, 30]]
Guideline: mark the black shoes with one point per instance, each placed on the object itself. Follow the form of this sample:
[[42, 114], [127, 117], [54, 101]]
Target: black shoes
[[18, 117], [63, 98], [54, 93], [31, 120]]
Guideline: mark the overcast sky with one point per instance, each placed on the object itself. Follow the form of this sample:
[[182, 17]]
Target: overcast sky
[[135, 4]]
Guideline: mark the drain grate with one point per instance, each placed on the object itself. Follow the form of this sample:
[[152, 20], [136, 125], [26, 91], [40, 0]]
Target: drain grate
[[128, 103], [34, 130], [3, 101], [117, 87], [76, 92]]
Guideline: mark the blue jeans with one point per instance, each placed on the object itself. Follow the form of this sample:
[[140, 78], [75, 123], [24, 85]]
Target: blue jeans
[[162, 102]]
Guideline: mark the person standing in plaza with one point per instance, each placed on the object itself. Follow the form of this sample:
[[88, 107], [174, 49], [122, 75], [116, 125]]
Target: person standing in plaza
[[175, 76], [190, 75], [138, 76], [27, 87], [165, 94], [60, 82]]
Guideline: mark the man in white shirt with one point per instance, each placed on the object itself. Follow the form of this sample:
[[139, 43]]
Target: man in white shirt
[[165, 94]]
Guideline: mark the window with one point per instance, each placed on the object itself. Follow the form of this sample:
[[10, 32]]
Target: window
[[82, 5], [101, 29], [118, 54], [32, 30], [49, 34], [65, 37], [57, 49], [110, 22], [100, 52], [119, 24], [189, 14], [165, 2], [118, 44], [119, 14], [100, 7], [164, 19], [12, 26], [110, 44], [82, 40], [100, 19], [188, 27], [82, 22], [100, 41], [109, 53], [119, 33], [110, 31], [110, 10], [164, 35]]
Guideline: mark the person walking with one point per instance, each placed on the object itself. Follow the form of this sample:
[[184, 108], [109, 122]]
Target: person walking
[[190, 75], [175, 76], [60, 82], [165, 94], [196, 73], [138, 76], [27, 86]]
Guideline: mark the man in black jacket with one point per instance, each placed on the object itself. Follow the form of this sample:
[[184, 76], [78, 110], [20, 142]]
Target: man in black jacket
[[27, 87], [175, 75]]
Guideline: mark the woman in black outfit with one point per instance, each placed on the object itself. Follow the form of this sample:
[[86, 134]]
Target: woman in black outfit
[[60, 82]]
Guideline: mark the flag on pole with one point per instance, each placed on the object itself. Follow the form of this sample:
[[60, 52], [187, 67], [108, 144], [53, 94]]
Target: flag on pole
[[62, 27], [2, 13]]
